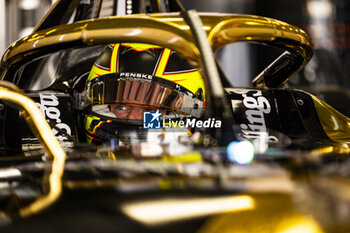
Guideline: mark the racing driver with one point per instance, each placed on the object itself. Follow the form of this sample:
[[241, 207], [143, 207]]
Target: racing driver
[[131, 79]]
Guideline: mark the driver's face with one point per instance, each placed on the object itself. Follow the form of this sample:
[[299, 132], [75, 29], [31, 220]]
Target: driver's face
[[131, 112]]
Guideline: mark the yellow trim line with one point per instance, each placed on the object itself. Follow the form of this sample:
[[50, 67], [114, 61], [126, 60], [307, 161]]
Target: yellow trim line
[[42, 130]]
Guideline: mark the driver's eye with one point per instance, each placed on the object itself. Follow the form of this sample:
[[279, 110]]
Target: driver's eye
[[121, 108]]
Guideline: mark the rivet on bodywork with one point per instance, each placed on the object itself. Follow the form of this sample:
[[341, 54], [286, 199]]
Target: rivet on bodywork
[[300, 102]]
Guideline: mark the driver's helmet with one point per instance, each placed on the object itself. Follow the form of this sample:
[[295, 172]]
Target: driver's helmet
[[129, 79]]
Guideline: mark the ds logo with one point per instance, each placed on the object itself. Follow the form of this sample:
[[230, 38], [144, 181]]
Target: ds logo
[[151, 120]]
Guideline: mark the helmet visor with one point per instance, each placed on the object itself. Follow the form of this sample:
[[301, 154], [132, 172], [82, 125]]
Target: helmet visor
[[145, 90]]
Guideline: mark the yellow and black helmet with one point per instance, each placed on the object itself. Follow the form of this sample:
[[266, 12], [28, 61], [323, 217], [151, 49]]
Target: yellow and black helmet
[[134, 74]]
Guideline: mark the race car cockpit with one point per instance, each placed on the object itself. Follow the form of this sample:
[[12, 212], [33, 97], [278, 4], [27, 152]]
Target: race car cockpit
[[138, 103]]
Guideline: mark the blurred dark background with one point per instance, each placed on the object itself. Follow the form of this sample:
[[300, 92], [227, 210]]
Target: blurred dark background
[[326, 21]]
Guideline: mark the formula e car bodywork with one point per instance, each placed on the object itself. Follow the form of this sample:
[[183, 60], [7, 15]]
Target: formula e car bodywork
[[297, 181]]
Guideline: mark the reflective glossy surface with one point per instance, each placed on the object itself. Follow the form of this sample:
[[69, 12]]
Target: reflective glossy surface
[[168, 31]]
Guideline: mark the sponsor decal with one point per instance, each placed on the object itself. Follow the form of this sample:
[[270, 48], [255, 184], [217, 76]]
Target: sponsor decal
[[141, 76], [256, 106], [48, 106]]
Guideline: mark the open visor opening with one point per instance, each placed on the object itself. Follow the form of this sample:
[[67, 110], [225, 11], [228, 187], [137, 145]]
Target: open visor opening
[[148, 91]]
